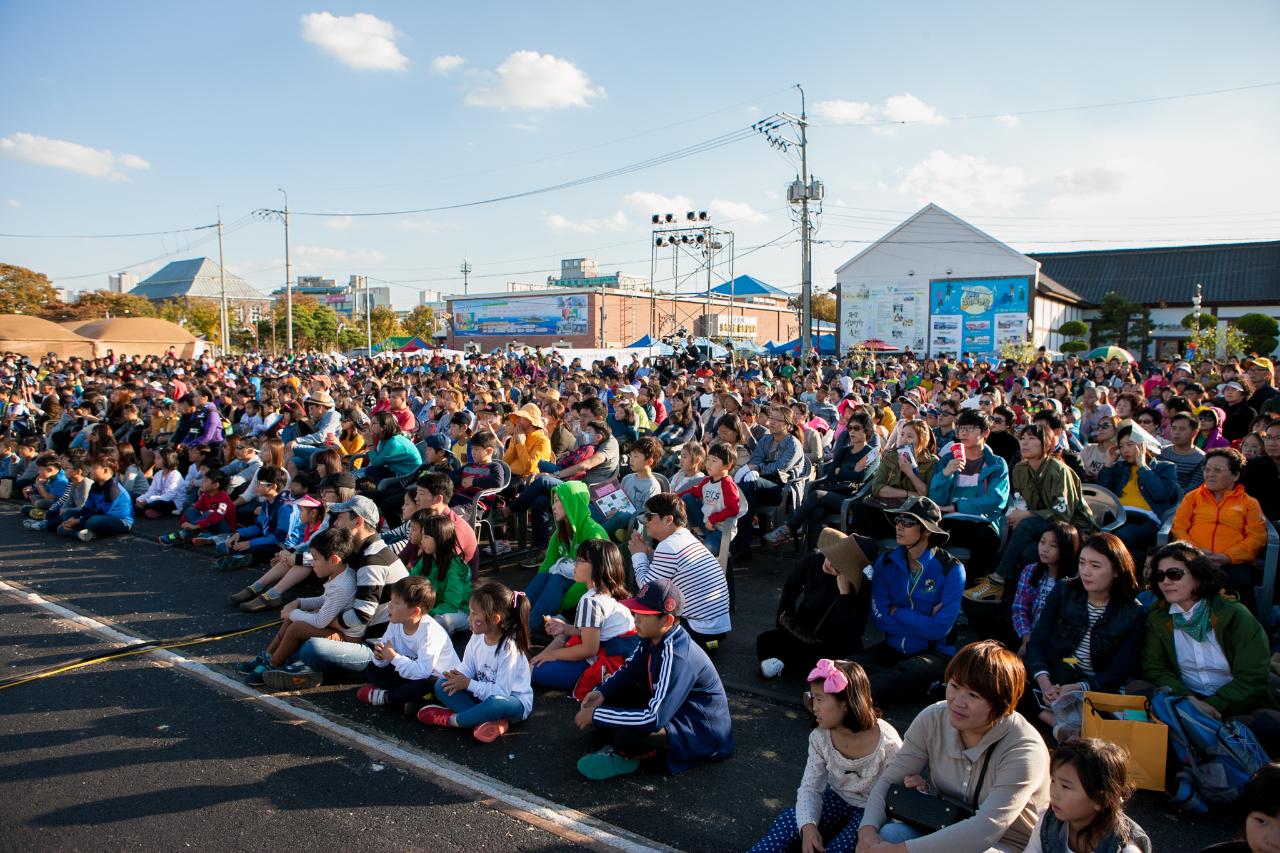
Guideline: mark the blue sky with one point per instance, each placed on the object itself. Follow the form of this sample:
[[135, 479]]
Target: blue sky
[[148, 116]]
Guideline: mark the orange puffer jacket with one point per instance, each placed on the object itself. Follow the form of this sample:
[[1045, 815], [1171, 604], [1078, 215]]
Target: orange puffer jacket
[[1234, 527]]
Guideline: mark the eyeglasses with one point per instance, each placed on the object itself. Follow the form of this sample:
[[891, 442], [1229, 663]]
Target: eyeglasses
[[998, 421], [1174, 574], [905, 521]]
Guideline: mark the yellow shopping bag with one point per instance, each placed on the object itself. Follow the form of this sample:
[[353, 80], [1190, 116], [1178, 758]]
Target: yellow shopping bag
[[1146, 741]]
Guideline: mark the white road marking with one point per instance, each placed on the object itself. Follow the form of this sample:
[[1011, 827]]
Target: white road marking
[[545, 814]]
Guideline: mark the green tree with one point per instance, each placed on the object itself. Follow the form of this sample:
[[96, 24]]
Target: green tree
[[200, 317], [385, 324], [1122, 323], [823, 307], [101, 303], [1261, 332], [421, 322], [24, 291], [1074, 330]]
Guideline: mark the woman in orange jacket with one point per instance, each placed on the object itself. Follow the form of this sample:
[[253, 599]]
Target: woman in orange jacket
[[1222, 520], [529, 443]]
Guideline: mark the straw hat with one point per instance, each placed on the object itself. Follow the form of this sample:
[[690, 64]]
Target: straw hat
[[845, 554], [321, 398], [531, 413]]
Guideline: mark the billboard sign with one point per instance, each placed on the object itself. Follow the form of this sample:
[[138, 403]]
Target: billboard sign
[[977, 315], [892, 312], [516, 317]]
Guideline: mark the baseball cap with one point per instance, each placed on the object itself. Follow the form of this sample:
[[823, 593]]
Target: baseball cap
[[657, 597], [345, 480], [439, 442], [1265, 363], [362, 507]]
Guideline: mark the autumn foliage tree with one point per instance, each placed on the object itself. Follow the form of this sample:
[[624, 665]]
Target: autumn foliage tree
[[24, 291]]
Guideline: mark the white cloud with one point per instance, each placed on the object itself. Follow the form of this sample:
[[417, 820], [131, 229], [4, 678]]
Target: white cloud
[[1008, 120], [360, 41], [964, 182], [338, 223], [72, 156], [13, 202], [327, 255], [905, 108], [530, 80], [738, 211], [448, 63], [649, 203], [422, 225], [556, 222], [1099, 180]]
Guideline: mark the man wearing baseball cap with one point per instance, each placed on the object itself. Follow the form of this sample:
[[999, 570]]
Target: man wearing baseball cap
[[666, 702], [1262, 374]]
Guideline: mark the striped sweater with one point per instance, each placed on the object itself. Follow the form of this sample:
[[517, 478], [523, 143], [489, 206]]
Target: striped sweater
[[695, 570], [377, 568]]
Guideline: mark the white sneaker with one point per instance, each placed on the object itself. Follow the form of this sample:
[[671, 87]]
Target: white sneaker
[[771, 667], [85, 536]]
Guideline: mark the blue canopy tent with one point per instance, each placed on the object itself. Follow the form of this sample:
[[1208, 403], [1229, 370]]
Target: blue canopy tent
[[654, 347], [745, 285], [825, 344]]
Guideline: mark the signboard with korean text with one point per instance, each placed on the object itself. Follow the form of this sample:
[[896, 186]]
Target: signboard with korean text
[[516, 317], [892, 312], [979, 315]]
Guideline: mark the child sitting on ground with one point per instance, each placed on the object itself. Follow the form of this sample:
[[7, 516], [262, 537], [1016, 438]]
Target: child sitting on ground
[[482, 472], [1089, 784], [198, 457], [412, 654], [847, 752], [9, 459], [167, 490], [441, 563], [665, 702], [491, 689], [715, 504], [275, 526], [50, 483], [290, 566], [312, 617], [77, 492], [603, 633], [24, 470], [692, 457], [212, 515], [1057, 552]]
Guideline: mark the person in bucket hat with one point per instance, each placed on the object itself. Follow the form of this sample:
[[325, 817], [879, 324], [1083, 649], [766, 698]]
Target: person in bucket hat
[[823, 607], [916, 590], [529, 443], [666, 702]]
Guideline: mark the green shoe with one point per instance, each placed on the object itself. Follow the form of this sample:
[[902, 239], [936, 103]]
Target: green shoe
[[606, 764]]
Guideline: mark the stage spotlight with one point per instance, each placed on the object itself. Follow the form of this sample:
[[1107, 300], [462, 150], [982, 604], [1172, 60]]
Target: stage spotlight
[[686, 239], [691, 216], [703, 216], [701, 239], [670, 217], [656, 219], [659, 242]]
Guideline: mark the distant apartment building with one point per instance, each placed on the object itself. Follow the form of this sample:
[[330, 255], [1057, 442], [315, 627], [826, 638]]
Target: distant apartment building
[[121, 282]]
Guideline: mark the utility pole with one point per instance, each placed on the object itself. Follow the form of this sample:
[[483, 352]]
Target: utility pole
[[288, 280], [222, 277], [368, 317], [465, 269]]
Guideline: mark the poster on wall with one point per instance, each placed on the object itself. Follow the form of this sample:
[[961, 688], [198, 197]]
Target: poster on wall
[[977, 315], [521, 317], [892, 312]]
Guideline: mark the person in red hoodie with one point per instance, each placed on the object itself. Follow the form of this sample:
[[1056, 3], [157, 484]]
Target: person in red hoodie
[[715, 504], [213, 513]]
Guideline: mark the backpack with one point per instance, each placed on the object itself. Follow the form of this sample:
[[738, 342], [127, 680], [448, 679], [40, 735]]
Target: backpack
[[1217, 757]]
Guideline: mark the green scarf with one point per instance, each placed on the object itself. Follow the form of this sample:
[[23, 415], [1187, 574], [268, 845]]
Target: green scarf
[[1196, 626]]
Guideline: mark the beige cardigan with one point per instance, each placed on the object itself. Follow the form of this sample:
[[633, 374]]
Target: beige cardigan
[[1016, 789]]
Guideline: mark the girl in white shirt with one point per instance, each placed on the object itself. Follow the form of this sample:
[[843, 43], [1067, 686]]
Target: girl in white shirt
[[167, 490], [600, 623], [491, 689]]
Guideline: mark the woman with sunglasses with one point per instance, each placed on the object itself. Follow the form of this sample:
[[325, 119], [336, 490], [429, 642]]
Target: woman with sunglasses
[[1201, 644], [1099, 452]]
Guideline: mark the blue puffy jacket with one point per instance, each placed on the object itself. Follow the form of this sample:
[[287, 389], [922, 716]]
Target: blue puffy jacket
[[110, 498], [917, 623]]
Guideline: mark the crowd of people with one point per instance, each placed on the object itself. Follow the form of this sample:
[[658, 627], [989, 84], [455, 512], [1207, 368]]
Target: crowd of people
[[1008, 536]]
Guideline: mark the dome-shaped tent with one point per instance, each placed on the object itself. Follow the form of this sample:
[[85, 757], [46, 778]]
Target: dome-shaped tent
[[139, 336], [35, 338]]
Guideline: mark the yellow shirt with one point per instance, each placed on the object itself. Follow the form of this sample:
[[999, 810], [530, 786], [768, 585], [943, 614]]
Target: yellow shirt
[[1129, 495]]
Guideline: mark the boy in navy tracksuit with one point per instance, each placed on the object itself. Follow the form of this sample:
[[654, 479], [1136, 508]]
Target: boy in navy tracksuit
[[666, 701], [278, 524]]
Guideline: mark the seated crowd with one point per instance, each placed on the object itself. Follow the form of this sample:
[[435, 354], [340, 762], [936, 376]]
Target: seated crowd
[[1005, 537]]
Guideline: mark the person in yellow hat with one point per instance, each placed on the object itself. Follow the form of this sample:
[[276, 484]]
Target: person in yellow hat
[[529, 443]]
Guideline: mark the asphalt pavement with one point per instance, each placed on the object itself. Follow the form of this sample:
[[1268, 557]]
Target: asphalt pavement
[[120, 750]]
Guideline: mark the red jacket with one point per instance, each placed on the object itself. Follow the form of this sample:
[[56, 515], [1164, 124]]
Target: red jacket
[[721, 500], [215, 506]]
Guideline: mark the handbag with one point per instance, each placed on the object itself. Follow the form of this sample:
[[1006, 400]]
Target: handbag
[[932, 812]]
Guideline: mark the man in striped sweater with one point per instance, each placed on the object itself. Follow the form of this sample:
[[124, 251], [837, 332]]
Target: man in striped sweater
[[377, 568], [681, 558]]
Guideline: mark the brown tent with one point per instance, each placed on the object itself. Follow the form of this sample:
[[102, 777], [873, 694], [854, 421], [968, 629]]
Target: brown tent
[[35, 338], [139, 336]]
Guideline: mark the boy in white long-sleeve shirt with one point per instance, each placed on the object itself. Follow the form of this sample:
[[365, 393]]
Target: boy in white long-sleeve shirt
[[312, 617], [413, 652]]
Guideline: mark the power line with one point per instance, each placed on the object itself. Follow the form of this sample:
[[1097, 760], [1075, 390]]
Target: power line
[[108, 236]]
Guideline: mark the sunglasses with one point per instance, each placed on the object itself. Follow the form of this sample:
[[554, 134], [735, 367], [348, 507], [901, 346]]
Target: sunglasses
[[905, 521], [1174, 574]]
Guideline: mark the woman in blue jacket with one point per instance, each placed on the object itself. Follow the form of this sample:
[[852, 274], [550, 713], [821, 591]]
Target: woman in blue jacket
[[1147, 487], [106, 512]]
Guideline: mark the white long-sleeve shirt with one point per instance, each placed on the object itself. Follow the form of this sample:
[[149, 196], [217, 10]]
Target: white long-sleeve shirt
[[501, 670], [851, 778], [321, 610], [166, 486], [425, 653]]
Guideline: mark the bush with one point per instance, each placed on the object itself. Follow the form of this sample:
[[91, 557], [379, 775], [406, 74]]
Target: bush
[[1260, 332], [1074, 346], [1073, 329]]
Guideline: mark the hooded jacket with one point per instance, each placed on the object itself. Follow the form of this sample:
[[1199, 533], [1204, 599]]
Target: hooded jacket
[[1053, 492], [1234, 527], [1214, 437], [576, 500], [110, 499]]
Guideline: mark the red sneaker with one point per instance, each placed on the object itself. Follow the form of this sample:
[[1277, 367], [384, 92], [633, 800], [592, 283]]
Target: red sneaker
[[491, 731], [434, 715], [363, 694]]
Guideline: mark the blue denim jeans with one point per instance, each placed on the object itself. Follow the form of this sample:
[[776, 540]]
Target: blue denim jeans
[[302, 456], [559, 674], [321, 654], [693, 509], [896, 833], [470, 712], [98, 525], [546, 592]]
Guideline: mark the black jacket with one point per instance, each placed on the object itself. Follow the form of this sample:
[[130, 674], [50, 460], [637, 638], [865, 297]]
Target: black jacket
[[811, 601], [1114, 645]]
